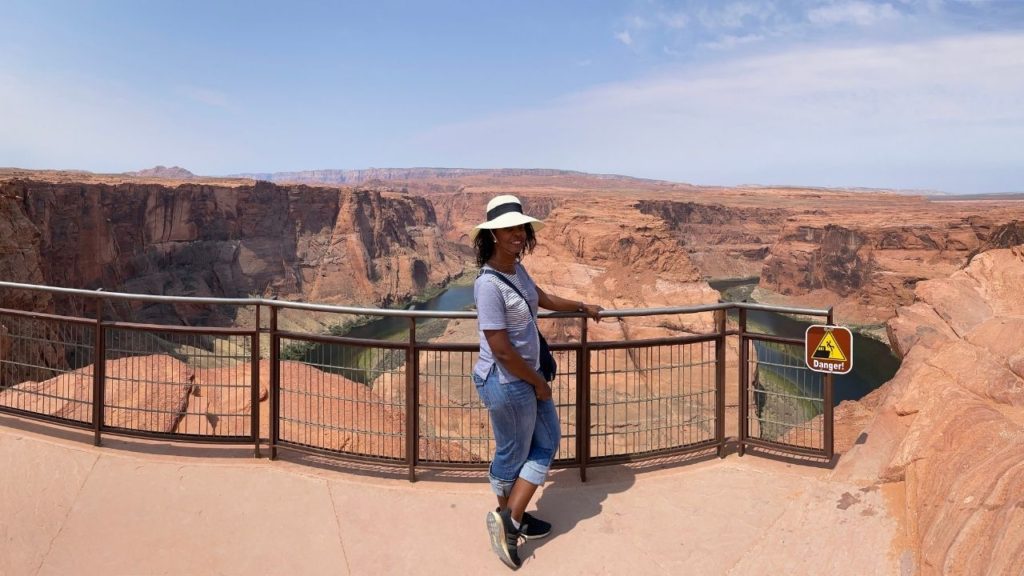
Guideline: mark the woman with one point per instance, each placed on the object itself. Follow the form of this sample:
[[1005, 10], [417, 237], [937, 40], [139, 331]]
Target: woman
[[518, 398]]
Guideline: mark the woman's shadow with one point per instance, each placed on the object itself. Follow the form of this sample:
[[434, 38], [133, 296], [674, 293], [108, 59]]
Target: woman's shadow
[[566, 501]]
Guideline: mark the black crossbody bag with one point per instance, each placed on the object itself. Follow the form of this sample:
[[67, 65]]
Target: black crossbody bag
[[548, 366]]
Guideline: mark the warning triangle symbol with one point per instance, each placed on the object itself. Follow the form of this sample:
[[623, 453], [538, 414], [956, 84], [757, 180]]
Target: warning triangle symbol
[[828, 349]]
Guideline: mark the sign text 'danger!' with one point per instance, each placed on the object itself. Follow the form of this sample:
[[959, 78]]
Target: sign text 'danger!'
[[828, 349]]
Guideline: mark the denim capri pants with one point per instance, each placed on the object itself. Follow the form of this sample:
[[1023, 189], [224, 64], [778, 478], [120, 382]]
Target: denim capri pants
[[526, 431]]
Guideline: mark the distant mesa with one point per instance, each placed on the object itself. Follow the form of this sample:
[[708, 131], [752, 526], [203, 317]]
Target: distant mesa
[[174, 172]]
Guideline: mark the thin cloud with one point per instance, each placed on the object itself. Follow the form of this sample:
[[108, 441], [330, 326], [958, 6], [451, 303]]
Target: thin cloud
[[857, 13], [729, 42], [941, 114], [624, 37], [736, 15]]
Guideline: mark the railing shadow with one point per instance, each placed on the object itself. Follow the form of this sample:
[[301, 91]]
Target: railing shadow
[[790, 458], [126, 443]]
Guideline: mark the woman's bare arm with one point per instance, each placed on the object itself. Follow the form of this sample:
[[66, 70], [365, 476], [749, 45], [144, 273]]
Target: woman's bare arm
[[559, 304]]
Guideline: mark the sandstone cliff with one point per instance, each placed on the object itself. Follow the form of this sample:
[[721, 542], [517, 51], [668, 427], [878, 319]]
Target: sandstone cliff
[[950, 425], [861, 251], [354, 247], [20, 262], [722, 241], [867, 267]]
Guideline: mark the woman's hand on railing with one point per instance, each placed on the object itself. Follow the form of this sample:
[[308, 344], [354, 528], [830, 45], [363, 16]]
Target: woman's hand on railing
[[592, 310]]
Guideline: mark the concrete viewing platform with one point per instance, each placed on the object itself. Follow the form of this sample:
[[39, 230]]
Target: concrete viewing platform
[[145, 507]]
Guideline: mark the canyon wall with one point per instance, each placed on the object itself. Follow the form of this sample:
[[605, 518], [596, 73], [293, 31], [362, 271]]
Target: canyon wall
[[723, 242], [20, 261], [950, 425], [353, 247], [862, 252], [867, 268]]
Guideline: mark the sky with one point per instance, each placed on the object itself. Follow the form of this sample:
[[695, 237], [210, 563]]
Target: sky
[[902, 94]]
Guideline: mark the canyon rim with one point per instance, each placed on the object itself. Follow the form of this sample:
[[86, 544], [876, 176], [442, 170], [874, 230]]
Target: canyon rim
[[935, 277]]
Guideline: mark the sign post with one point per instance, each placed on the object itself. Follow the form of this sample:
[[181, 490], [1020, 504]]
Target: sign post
[[828, 349]]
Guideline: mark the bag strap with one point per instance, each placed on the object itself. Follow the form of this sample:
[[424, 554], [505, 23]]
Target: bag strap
[[513, 287], [506, 281]]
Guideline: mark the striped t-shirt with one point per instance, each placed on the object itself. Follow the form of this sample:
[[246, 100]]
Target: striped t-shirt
[[498, 307]]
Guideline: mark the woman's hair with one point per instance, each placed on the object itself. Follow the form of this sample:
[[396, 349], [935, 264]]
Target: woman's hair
[[484, 244]]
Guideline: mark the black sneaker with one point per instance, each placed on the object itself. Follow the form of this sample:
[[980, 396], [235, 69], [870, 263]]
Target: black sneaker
[[532, 528], [504, 538]]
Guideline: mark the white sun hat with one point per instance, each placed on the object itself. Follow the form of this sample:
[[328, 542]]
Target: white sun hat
[[504, 212]]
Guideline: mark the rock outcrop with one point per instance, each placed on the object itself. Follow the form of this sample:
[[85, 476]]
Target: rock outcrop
[[868, 268], [950, 425], [407, 229], [171, 173], [722, 241], [355, 247], [33, 341], [145, 393]]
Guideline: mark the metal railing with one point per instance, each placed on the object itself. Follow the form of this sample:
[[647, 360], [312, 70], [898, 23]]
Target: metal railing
[[658, 387], [783, 404]]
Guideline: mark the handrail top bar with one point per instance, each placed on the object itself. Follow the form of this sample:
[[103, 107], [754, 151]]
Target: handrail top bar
[[621, 313], [782, 309], [100, 293]]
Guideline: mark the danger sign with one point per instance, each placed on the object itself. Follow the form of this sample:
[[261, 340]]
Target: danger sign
[[829, 349]]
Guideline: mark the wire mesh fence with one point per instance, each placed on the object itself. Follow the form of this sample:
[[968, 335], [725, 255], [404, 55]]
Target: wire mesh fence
[[453, 422], [405, 397], [785, 399], [652, 398], [175, 382], [343, 398], [46, 367]]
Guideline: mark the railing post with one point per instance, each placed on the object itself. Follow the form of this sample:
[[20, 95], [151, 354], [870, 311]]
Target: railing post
[[412, 401], [829, 414], [583, 401], [274, 391], [254, 383], [720, 350], [99, 370], [742, 385]]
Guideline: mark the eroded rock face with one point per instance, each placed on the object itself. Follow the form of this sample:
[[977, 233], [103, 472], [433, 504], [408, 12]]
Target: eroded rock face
[[31, 341], [951, 423], [868, 267], [358, 247], [861, 251], [722, 241]]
